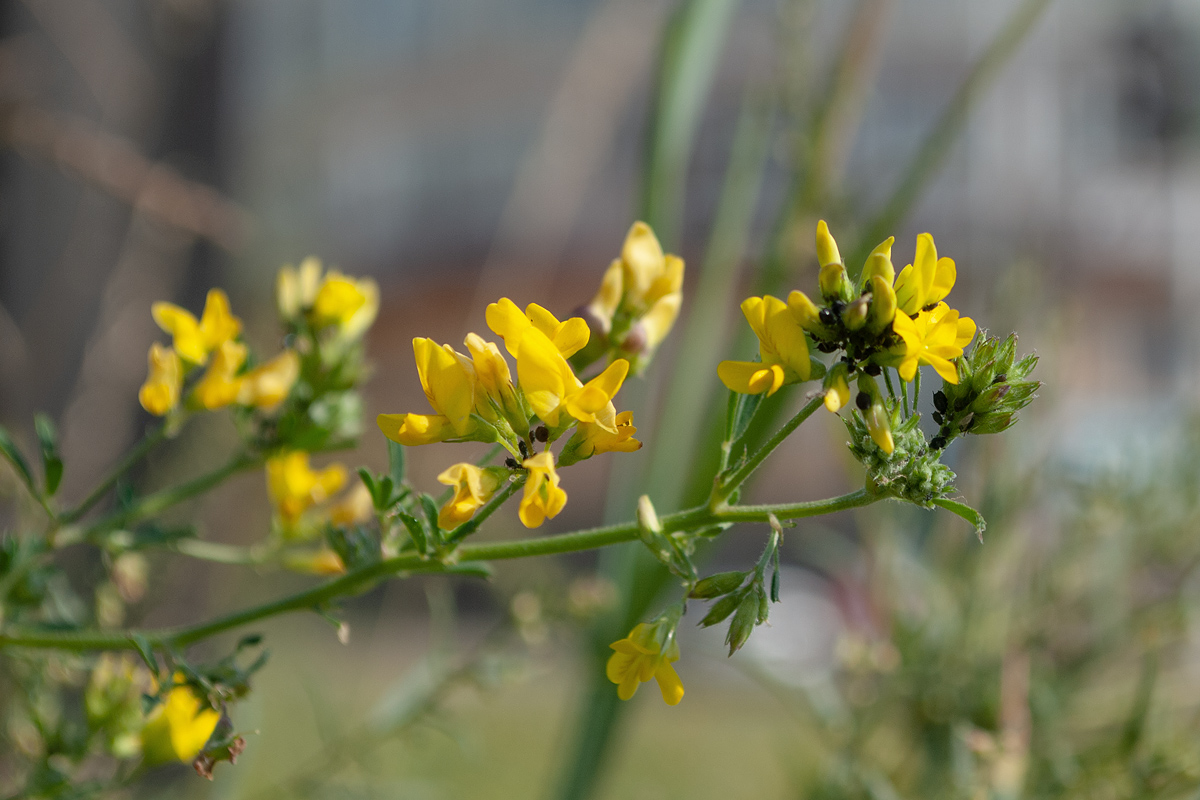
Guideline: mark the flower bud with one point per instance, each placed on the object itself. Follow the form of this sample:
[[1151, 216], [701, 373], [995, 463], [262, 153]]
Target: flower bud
[[837, 387], [835, 283], [827, 249], [883, 305], [854, 315], [806, 313], [879, 264], [716, 585]]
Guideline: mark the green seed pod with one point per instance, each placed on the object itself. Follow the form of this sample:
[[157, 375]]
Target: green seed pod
[[717, 585]]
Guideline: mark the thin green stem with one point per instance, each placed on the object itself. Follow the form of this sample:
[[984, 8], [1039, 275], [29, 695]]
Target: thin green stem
[[904, 395], [916, 389], [156, 503], [148, 442], [887, 378], [220, 553], [359, 579], [727, 486]]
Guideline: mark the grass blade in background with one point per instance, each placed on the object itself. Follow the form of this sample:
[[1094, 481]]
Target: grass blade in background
[[692, 48]]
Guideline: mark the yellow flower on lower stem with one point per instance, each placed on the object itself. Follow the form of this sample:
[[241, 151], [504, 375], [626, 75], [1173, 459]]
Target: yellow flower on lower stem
[[179, 727], [221, 385], [295, 487], [781, 346], [596, 439], [160, 393], [269, 384], [543, 499], [641, 656], [473, 486], [195, 339], [935, 337]]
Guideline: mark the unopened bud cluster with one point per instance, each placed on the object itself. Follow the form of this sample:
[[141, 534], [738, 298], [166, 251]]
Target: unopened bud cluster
[[993, 385]]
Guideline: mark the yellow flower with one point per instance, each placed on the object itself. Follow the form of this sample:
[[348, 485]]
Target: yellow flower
[[193, 339], [879, 427], [179, 727], [594, 439], [322, 561], [296, 289], [494, 381], [350, 304], [781, 346], [294, 486], [837, 387], [550, 385], [639, 657], [935, 337], [473, 486], [221, 385], [648, 274], [926, 281], [269, 384], [511, 324], [832, 279], [543, 498], [448, 378], [160, 393], [879, 262]]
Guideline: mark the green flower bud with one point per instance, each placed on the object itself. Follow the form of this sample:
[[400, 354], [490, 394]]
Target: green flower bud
[[717, 585]]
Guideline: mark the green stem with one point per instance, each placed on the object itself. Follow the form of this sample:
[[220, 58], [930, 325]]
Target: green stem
[[727, 486], [359, 579], [156, 503], [148, 442], [887, 378], [904, 395], [916, 389], [221, 553]]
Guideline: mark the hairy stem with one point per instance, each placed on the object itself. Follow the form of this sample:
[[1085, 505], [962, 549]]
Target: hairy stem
[[727, 486], [358, 580], [148, 443]]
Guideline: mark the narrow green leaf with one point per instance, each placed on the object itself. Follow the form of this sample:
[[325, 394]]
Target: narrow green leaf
[[8, 448], [145, 650], [52, 465], [966, 512], [396, 462], [416, 530]]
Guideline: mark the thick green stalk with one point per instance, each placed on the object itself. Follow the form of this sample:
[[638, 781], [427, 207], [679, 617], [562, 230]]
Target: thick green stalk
[[354, 582]]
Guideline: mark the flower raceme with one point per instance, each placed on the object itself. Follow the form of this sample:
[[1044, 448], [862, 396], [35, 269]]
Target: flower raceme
[[476, 399], [889, 320], [647, 652], [334, 300]]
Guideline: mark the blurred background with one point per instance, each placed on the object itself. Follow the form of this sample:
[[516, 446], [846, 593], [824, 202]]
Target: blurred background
[[463, 150]]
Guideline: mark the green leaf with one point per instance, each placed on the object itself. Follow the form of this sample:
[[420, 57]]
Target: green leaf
[[396, 462], [52, 464], [416, 530], [145, 650], [966, 512], [741, 411], [8, 448]]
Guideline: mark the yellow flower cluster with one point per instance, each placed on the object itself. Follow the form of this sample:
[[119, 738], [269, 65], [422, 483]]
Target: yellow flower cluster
[[330, 301], [474, 396], [639, 298], [212, 341], [888, 320]]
